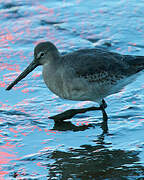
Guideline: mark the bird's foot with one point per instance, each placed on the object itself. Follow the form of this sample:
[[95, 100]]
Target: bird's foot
[[72, 112]]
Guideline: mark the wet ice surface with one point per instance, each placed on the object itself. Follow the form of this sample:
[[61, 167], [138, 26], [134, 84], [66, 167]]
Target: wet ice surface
[[31, 145]]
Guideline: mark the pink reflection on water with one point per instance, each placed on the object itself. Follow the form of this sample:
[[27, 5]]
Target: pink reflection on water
[[20, 86], [131, 43], [25, 90], [9, 67], [2, 174], [6, 158], [7, 36], [17, 107], [4, 106], [44, 9], [13, 130], [35, 75], [2, 84]]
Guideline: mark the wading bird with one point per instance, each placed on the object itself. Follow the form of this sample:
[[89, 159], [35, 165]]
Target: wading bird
[[83, 75]]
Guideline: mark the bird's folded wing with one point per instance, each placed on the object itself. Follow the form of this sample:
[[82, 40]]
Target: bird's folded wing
[[98, 65]]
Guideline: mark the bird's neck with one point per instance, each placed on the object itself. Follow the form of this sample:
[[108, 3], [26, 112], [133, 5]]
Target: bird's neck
[[55, 55]]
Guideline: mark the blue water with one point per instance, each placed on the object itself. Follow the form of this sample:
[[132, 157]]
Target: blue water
[[31, 145]]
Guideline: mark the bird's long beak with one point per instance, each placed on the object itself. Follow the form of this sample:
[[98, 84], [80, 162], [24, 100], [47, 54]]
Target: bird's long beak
[[30, 68]]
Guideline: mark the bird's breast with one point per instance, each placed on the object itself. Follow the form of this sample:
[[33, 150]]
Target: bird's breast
[[57, 81], [52, 80], [63, 84]]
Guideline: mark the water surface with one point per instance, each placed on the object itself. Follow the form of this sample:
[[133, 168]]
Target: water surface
[[31, 145]]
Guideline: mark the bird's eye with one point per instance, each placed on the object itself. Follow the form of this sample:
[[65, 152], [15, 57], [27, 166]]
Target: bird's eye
[[42, 54]]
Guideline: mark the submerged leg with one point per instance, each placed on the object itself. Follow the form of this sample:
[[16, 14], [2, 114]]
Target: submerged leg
[[105, 117]]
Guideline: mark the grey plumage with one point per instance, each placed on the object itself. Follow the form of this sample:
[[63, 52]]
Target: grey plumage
[[100, 65], [87, 74]]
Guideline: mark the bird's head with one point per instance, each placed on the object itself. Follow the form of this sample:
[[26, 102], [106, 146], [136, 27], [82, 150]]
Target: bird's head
[[44, 53]]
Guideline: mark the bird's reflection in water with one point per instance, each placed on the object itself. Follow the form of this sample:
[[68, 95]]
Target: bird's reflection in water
[[91, 162], [94, 162], [67, 125], [62, 125]]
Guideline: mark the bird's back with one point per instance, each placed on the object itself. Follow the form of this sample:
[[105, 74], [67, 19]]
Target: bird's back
[[104, 71], [91, 61]]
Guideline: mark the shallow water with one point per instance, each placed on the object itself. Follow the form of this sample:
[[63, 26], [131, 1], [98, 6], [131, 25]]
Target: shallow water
[[31, 145]]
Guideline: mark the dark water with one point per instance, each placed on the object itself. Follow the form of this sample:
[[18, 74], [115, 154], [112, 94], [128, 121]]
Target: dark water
[[31, 145]]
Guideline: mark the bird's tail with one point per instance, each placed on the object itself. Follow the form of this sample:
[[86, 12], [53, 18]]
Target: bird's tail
[[137, 62]]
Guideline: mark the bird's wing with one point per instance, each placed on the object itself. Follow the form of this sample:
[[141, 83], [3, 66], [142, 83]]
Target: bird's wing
[[98, 64]]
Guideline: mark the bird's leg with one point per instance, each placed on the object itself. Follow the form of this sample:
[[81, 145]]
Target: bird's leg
[[72, 112], [102, 107], [104, 104], [105, 117]]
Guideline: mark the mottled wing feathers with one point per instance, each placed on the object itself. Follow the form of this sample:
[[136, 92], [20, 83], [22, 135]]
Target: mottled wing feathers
[[99, 65]]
